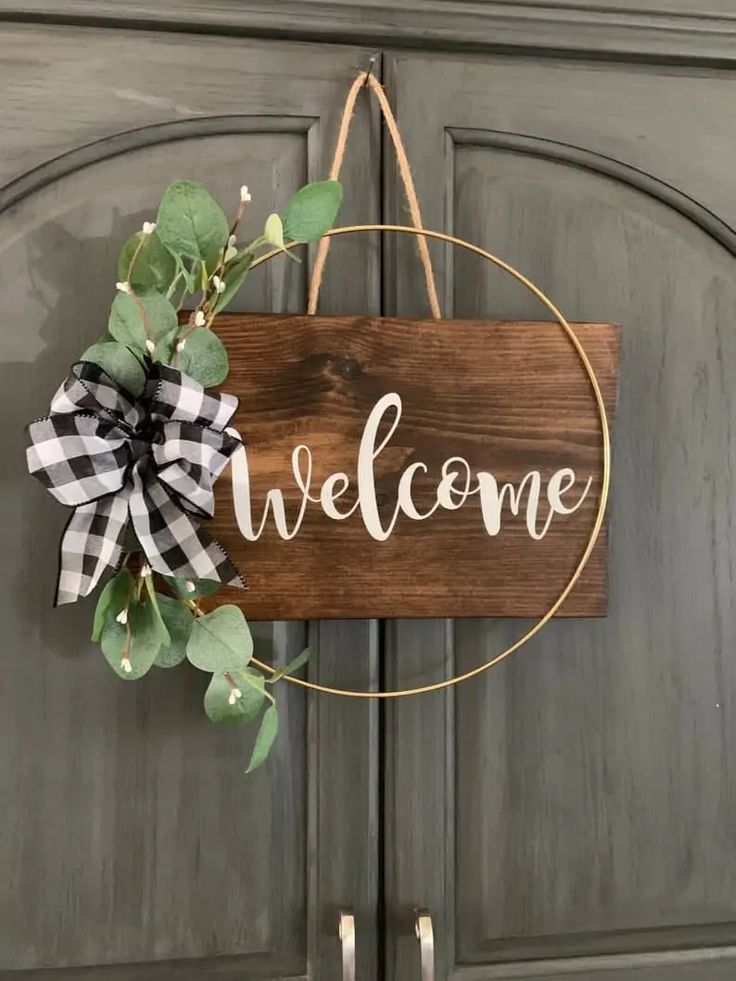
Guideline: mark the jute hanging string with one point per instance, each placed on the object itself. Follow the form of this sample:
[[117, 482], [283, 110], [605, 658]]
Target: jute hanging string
[[369, 81]]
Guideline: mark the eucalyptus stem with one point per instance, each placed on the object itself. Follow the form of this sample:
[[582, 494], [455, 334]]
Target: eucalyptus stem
[[231, 681], [174, 283], [128, 641], [131, 291], [244, 199]]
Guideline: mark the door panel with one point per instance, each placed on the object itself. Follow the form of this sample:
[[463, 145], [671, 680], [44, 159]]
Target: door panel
[[131, 835], [578, 799]]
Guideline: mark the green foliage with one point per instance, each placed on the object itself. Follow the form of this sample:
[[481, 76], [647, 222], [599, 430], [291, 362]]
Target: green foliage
[[154, 268], [120, 363], [162, 631], [190, 253], [265, 738], [204, 358], [202, 587], [190, 222], [190, 280], [179, 622], [112, 600], [140, 638], [273, 231], [312, 211], [292, 667], [220, 641], [228, 706], [166, 345], [126, 323], [233, 277]]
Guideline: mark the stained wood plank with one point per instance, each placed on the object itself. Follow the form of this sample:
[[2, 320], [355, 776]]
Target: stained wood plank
[[510, 398]]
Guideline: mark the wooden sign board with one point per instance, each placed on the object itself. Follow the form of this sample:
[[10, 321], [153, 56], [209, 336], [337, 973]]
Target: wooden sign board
[[491, 429]]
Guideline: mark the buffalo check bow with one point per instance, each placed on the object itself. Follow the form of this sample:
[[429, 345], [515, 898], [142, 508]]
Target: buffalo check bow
[[150, 463]]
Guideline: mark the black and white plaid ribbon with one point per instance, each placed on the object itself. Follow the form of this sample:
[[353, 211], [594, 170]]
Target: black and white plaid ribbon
[[151, 462]]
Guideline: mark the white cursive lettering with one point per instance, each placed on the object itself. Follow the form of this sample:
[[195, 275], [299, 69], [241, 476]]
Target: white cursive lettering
[[456, 486]]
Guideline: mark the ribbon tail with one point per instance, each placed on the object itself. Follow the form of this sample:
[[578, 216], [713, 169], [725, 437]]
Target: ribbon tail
[[173, 543], [91, 544]]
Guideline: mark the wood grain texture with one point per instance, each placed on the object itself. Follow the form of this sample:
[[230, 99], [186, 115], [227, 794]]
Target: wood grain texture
[[132, 844], [677, 30], [634, 115], [587, 785], [419, 816], [509, 398], [699, 964]]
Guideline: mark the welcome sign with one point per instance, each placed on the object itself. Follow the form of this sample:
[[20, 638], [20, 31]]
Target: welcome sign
[[401, 468]]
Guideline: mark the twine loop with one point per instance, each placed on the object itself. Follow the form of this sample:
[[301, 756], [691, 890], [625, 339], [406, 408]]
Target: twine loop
[[368, 80]]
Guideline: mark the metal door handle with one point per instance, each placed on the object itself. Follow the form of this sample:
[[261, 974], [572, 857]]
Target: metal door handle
[[425, 936], [347, 941]]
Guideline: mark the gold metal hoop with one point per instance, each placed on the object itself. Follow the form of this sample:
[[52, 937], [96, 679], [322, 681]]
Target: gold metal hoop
[[605, 480]]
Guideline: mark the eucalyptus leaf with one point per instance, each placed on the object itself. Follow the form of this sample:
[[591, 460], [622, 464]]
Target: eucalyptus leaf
[[202, 587], [190, 222], [220, 641], [154, 268], [166, 345], [120, 363], [179, 622], [223, 707], [214, 262], [126, 322], [273, 231], [312, 211], [145, 642], [190, 280], [204, 358], [112, 600], [233, 277], [292, 667], [265, 738], [162, 631]]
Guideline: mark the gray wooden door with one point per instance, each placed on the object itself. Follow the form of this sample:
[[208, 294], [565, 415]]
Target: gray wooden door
[[133, 846], [571, 813]]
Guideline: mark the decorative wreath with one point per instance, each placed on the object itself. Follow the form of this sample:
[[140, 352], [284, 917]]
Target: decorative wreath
[[134, 442]]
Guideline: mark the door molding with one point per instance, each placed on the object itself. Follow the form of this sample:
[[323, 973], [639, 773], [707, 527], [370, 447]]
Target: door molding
[[125, 141], [469, 25], [597, 163], [702, 964]]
